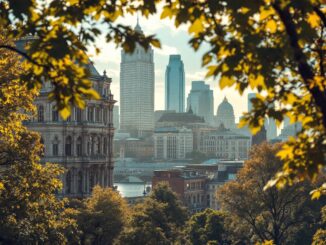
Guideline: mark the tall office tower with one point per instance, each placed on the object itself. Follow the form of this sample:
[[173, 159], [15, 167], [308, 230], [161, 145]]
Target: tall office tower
[[225, 115], [201, 101], [116, 117], [250, 96], [137, 90], [175, 84], [271, 129]]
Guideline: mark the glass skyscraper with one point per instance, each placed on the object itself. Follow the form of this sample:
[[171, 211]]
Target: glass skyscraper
[[175, 84], [201, 101]]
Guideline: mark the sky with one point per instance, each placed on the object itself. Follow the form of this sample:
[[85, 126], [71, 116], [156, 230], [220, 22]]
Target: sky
[[173, 41]]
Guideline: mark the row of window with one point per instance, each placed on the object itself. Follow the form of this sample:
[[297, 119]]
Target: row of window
[[94, 146], [94, 114]]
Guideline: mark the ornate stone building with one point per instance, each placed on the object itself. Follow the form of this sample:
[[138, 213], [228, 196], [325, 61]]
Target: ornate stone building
[[82, 144]]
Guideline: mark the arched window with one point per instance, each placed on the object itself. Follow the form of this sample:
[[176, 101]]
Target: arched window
[[89, 146], [105, 146], [78, 115], [90, 114], [55, 114], [97, 114], [80, 182], [55, 146], [79, 146], [105, 116], [40, 113], [68, 148], [68, 182]]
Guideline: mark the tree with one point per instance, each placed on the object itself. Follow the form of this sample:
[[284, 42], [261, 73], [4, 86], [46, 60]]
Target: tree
[[275, 47], [320, 235], [157, 220], [102, 216], [29, 209], [207, 227], [279, 215]]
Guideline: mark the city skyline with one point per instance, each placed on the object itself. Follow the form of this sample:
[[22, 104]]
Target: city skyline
[[173, 41]]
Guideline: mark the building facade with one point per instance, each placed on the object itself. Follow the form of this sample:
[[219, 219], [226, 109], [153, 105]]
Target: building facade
[[172, 143], [137, 90], [225, 115], [189, 186], [82, 144], [201, 101], [224, 144], [175, 84]]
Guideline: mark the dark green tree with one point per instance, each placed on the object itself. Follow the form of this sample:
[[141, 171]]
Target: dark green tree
[[207, 227], [102, 216], [157, 220]]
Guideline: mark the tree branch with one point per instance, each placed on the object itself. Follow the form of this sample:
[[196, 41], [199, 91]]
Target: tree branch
[[26, 56], [304, 68]]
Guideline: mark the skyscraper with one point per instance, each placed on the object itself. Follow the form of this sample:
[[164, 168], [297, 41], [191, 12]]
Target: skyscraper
[[116, 117], [137, 90], [250, 96], [175, 84], [201, 101]]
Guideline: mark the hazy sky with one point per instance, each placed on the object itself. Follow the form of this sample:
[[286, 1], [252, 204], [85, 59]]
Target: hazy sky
[[173, 41]]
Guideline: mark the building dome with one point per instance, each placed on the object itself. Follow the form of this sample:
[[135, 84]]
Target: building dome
[[225, 115]]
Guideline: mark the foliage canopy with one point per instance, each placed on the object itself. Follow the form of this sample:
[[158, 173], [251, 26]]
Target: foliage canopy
[[275, 47]]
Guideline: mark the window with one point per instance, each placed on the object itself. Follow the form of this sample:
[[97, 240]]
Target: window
[[78, 115], [68, 146], [68, 182], [40, 114], [90, 114], [55, 114], [97, 145], [105, 146], [55, 149], [80, 182], [97, 114], [79, 146]]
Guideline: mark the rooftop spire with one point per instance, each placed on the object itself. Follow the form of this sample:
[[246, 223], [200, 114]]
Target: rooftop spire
[[225, 99], [137, 27]]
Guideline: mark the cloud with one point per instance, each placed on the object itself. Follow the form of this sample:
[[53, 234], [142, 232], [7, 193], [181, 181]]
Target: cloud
[[166, 50]]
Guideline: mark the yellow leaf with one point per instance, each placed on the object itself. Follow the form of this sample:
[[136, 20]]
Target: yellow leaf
[[313, 20], [271, 26], [167, 12], [315, 194], [226, 81], [65, 112], [196, 27], [265, 13], [256, 81], [211, 71], [156, 43]]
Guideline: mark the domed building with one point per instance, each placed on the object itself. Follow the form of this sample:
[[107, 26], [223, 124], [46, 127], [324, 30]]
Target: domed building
[[225, 115]]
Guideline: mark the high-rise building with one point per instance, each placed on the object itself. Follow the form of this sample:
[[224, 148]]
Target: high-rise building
[[137, 90], [250, 96], [175, 84], [201, 101], [116, 117], [225, 115]]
